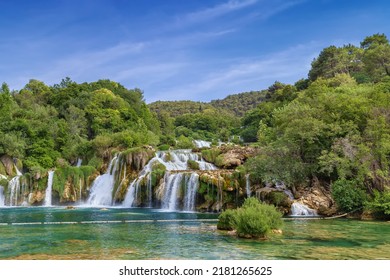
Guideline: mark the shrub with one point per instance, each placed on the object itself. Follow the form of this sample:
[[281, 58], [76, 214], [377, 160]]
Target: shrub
[[164, 147], [253, 219], [348, 195], [192, 164], [380, 203], [227, 219]]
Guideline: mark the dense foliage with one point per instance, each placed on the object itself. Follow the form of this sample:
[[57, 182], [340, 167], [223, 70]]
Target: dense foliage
[[45, 126], [334, 126]]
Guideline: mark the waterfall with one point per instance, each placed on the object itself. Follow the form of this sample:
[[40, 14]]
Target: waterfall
[[79, 161], [102, 187], [150, 191], [49, 189], [299, 209], [172, 185], [133, 189], [2, 197], [14, 186], [202, 144], [176, 160], [192, 184], [247, 185]]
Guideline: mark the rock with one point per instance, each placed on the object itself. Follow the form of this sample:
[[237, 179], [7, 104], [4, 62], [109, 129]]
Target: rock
[[8, 163], [70, 207], [317, 197], [233, 156], [277, 231], [36, 197]]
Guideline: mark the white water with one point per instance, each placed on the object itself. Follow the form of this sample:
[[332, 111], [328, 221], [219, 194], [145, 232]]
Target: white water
[[102, 187], [299, 209], [49, 189], [14, 186], [202, 144], [173, 161], [192, 185], [79, 161], [247, 185], [172, 185], [2, 197]]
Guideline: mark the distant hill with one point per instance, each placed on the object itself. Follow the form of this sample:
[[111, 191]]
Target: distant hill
[[240, 103], [236, 104], [178, 108]]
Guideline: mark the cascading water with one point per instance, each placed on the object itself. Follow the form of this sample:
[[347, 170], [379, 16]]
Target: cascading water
[[176, 160], [201, 144], [282, 187], [247, 185], [172, 185], [49, 188], [2, 197], [102, 187], [299, 209], [14, 186], [79, 162], [192, 185]]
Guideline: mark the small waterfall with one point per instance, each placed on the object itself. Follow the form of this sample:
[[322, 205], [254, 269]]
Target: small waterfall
[[2, 197], [102, 187], [282, 187], [79, 161], [177, 160], [150, 191], [49, 189], [202, 144], [299, 209], [14, 186], [172, 185], [247, 185], [192, 184]]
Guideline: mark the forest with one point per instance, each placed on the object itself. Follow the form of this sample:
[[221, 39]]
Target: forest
[[332, 127]]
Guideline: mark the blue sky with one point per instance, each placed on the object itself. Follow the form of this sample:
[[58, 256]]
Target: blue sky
[[176, 49]]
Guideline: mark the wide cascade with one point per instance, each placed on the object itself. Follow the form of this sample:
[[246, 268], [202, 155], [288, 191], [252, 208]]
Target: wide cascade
[[102, 187], [179, 181], [48, 192]]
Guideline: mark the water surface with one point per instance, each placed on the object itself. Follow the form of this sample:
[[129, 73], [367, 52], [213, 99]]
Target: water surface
[[117, 233]]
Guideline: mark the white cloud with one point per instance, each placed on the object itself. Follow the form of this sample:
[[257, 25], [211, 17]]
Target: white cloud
[[216, 11]]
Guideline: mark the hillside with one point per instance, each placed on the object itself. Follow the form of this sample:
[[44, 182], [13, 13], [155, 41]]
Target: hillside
[[240, 103], [178, 108], [236, 104]]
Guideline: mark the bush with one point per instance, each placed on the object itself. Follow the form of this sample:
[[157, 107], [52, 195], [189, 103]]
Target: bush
[[192, 164], [348, 195], [253, 219], [184, 143], [227, 219], [164, 147], [380, 203]]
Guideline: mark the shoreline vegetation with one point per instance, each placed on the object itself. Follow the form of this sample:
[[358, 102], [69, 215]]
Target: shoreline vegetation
[[323, 142]]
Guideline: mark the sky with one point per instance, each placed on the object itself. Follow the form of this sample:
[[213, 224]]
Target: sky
[[174, 49]]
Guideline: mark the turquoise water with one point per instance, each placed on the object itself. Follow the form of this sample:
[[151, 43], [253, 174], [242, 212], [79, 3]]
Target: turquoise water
[[115, 233]]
